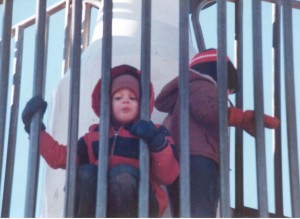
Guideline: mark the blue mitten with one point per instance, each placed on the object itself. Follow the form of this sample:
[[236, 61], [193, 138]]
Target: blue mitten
[[153, 136], [34, 105]]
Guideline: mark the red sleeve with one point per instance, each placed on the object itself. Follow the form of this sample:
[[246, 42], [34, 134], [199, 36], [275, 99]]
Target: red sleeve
[[164, 166], [54, 153]]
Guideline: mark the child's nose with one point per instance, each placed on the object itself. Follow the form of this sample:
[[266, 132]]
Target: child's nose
[[126, 99]]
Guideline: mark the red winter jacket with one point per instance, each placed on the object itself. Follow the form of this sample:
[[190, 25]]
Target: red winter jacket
[[203, 115], [123, 149]]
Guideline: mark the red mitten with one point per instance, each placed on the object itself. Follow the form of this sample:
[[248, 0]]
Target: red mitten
[[271, 122], [235, 117], [247, 122]]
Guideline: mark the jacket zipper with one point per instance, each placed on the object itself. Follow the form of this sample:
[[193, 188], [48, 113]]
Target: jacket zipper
[[116, 133]]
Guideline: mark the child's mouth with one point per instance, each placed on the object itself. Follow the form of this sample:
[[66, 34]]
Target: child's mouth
[[125, 110]]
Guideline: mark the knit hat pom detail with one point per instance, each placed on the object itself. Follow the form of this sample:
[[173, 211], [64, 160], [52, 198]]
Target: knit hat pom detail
[[205, 63], [126, 81]]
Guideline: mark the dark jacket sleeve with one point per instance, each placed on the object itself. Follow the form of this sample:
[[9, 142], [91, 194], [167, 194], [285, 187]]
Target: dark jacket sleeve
[[164, 165]]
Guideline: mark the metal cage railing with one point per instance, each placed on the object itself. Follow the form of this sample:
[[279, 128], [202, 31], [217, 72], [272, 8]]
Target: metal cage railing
[[77, 39]]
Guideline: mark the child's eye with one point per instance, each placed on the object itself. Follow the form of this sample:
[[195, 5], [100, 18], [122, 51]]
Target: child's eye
[[117, 98], [132, 98]]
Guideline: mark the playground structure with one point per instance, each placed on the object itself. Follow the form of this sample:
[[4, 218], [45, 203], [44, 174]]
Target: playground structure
[[157, 37]]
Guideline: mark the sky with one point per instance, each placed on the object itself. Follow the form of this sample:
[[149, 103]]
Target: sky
[[23, 10]]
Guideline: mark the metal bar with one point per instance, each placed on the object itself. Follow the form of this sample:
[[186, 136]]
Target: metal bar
[[239, 139], [105, 109], [184, 74], [10, 158], [93, 3], [73, 109], [67, 44], [86, 23], [31, 20], [4, 72], [197, 26], [223, 108], [290, 107], [38, 89], [277, 110], [50, 11], [295, 3], [145, 107], [47, 21], [259, 110], [254, 213]]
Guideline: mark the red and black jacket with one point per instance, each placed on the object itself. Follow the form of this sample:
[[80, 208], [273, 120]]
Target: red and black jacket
[[123, 149]]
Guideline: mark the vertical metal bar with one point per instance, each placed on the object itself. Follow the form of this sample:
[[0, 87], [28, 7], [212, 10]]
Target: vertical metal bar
[[197, 28], [38, 89], [259, 110], [86, 24], [144, 109], [73, 108], [222, 105], [239, 146], [4, 72], [277, 103], [105, 109], [47, 21], [184, 76], [67, 44], [10, 158], [291, 108]]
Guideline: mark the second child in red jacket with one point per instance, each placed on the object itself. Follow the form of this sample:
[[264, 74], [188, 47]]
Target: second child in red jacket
[[203, 129], [126, 129]]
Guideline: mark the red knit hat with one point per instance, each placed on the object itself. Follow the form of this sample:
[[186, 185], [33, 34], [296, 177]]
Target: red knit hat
[[122, 76], [205, 62], [126, 81]]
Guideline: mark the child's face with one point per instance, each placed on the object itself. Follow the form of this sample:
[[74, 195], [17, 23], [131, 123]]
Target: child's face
[[125, 106]]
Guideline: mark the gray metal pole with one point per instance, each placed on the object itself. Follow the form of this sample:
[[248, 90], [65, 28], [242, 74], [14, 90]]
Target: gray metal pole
[[144, 109], [38, 89], [67, 43], [105, 110], [277, 103], [184, 77], [223, 108], [4, 72], [86, 25], [259, 110], [13, 124], [239, 146], [291, 107], [73, 108]]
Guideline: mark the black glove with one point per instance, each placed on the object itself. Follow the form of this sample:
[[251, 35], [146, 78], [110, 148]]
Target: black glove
[[34, 105], [153, 136]]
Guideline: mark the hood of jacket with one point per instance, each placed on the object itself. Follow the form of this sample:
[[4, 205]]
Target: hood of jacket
[[116, 72], [168, 96]]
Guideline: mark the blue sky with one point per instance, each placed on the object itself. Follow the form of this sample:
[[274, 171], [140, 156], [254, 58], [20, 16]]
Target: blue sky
[[24, 9]]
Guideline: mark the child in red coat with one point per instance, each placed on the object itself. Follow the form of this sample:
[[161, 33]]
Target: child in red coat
[[203, 129], [126, 129]]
